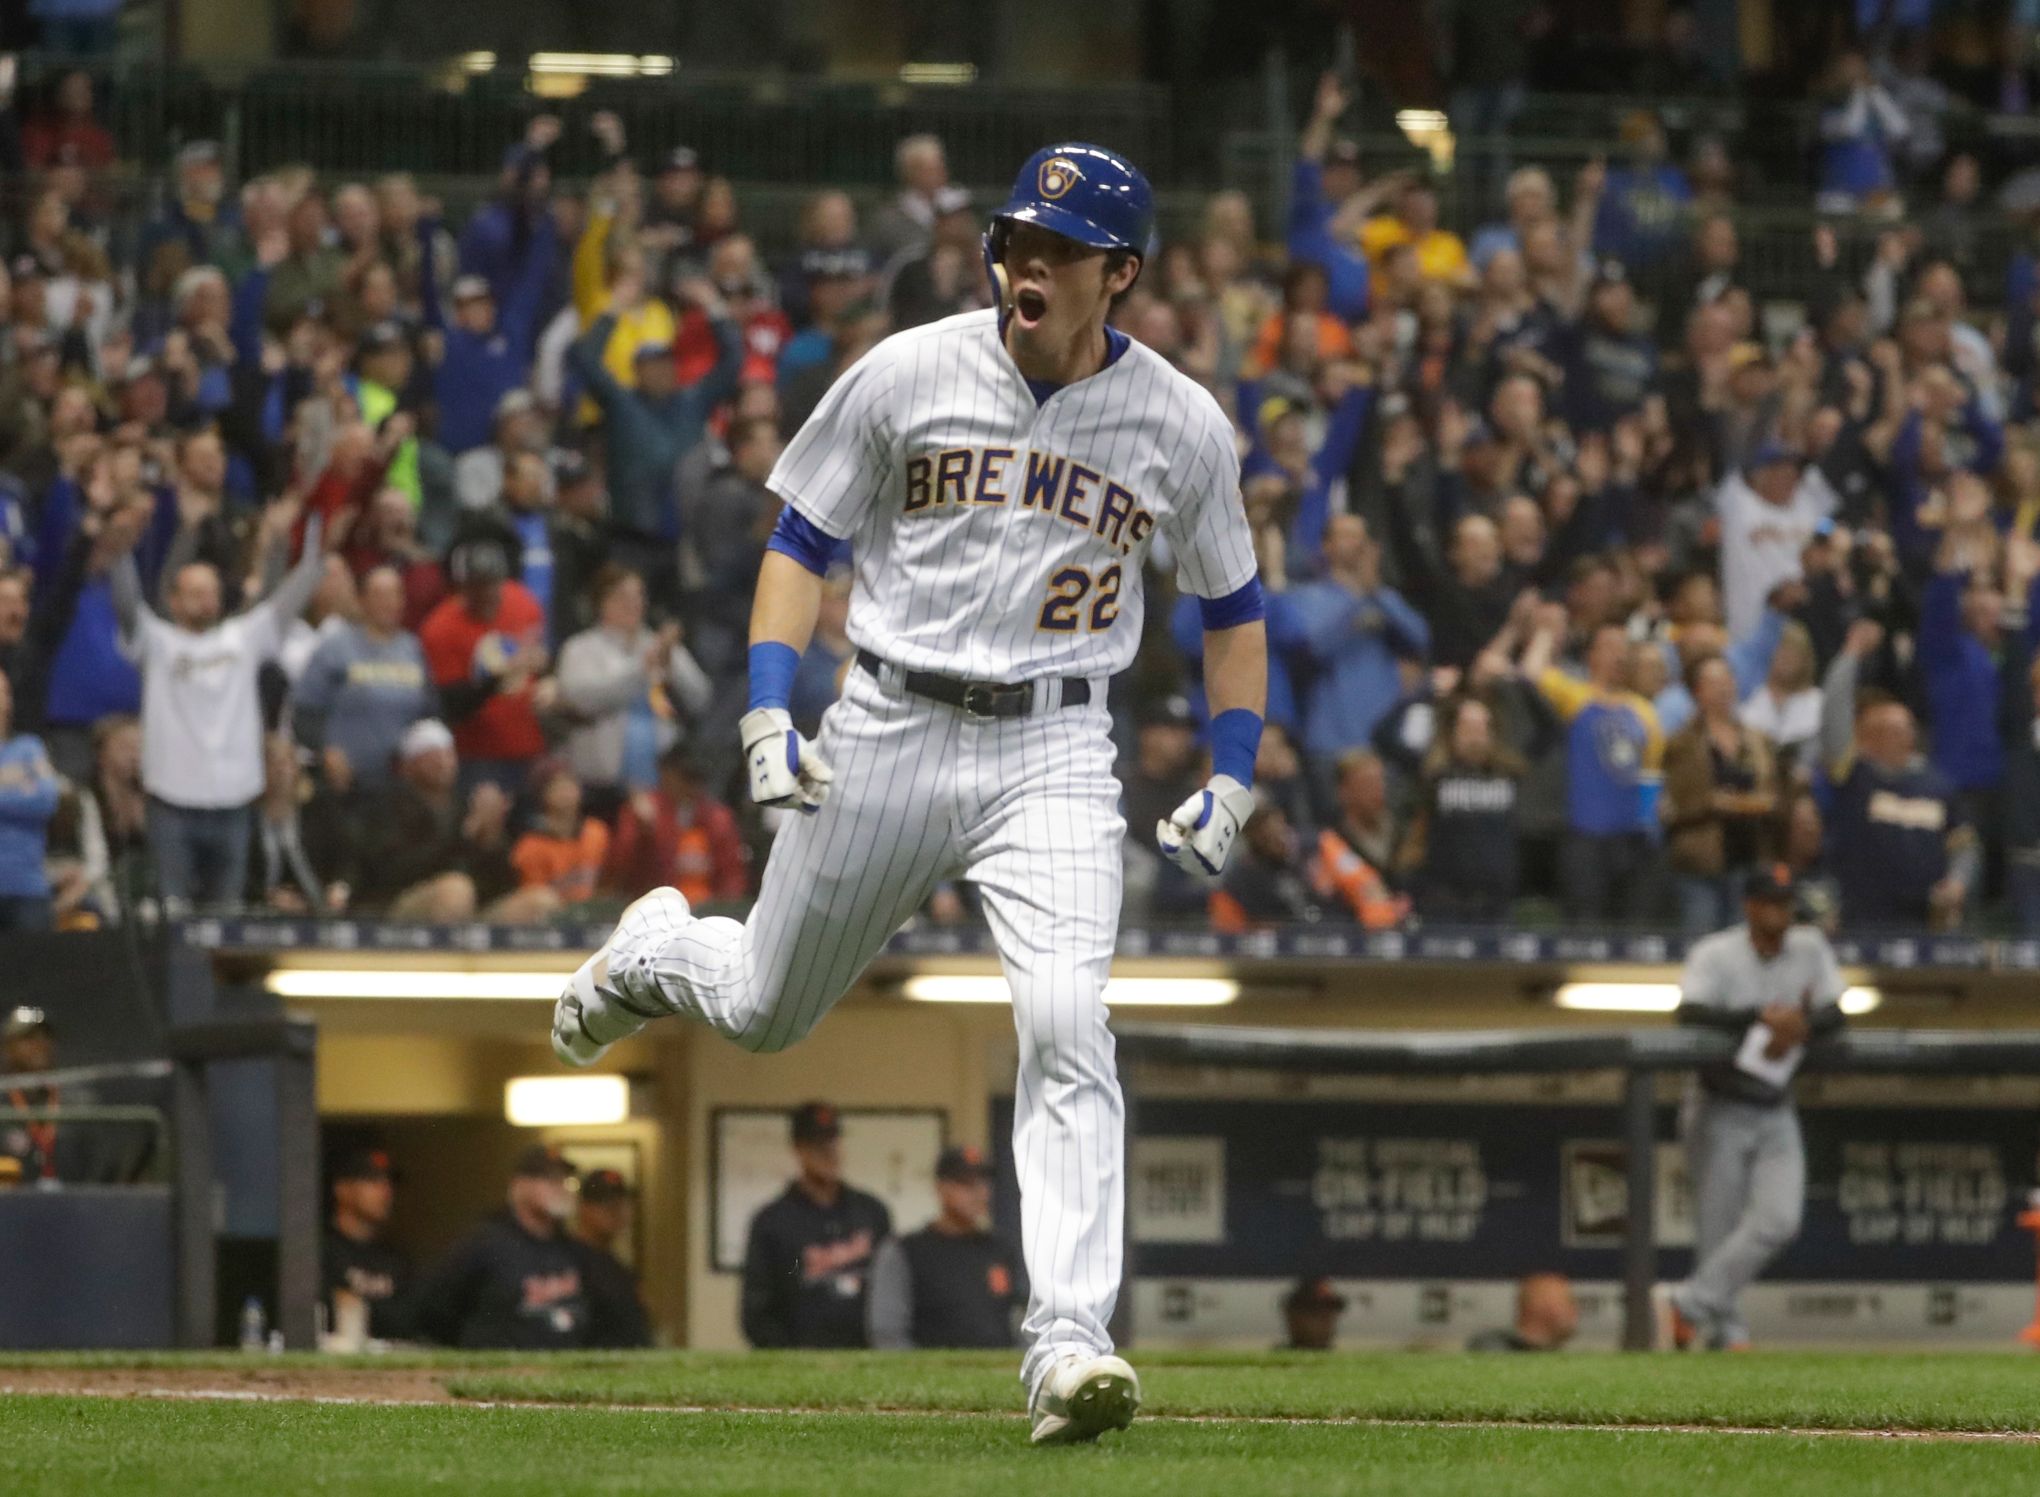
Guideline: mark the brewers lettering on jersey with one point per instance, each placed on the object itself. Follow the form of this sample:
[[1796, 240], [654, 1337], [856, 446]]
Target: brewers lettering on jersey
[[1002, 478]]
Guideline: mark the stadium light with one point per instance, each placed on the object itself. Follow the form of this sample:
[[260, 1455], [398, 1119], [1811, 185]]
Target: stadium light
[[1431, 132], [321, 982], [1619, 997], [602, 64], [566, 1101], [941, 73], [1120, 992], [1663, 997], [1419, 122]]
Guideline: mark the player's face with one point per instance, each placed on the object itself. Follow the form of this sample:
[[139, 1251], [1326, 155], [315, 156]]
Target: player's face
[[543, 1195], [821, 1160], [606, 1221], [969, 1199], [1769, 918], [1060, 288], [371, 1199]]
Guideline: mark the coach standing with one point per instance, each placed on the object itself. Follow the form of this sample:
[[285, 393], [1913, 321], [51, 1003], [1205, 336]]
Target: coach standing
[[515, 1282], [1771, 985], [807, 1267], [953, 1283]]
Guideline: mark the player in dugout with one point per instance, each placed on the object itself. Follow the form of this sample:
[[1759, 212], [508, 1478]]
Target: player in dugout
[[356, 1261], [1310, 1314], [953, 1283], [602, 1218], [514, 1282], [808, 1262]]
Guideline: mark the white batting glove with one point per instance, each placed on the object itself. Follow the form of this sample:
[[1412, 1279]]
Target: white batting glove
[[1198, 837], [786, 770]]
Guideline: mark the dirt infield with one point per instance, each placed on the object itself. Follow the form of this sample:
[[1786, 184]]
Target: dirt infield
[[414, 1387], [259, 1379]]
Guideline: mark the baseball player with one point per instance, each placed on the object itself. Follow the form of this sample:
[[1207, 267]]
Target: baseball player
[[1002, 476], [951, 1284], [1773, 985]]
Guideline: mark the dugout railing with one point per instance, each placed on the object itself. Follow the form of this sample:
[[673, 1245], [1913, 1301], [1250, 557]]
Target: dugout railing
[[1639, 1056]]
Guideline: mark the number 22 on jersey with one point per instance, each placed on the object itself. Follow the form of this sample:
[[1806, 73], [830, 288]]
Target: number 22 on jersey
[[1069, 590]]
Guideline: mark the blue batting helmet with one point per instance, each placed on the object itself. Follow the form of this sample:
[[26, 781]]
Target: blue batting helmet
[[1082, 192], [1086, 193]]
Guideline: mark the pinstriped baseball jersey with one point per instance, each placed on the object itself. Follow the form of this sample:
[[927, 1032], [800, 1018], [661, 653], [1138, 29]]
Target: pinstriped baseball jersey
[[999, 539], [1002, 539]]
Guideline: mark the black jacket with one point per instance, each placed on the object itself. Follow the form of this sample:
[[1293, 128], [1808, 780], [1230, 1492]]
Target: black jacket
[[374, 1272], [807, 1268], [616, 1316], [503, 1288]]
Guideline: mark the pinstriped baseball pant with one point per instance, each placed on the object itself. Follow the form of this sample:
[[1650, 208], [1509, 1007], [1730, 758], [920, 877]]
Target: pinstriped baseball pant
[[1026, 809]]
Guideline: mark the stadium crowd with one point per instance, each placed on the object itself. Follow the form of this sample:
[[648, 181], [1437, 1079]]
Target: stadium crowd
[[357, 559]]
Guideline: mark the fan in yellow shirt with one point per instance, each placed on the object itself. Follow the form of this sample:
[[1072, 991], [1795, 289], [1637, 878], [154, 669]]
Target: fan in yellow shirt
[[1441, 256], [608, 252]]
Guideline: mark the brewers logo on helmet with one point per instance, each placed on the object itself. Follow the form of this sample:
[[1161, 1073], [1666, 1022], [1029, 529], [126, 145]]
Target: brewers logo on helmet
[[1057, 176], [1082, 192]]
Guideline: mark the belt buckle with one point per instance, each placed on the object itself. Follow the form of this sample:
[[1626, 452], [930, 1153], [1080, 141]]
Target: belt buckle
[[980, 699]]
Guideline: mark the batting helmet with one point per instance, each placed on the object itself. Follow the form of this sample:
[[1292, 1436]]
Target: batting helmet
[[1082, 192]]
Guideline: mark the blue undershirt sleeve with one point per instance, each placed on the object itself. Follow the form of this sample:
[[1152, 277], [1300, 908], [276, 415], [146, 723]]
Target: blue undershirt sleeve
[[1235, 608], [800, 538]]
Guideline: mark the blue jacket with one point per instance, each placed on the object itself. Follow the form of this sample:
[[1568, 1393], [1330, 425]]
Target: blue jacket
[[28, 798], [1310, 238], [1285, 640], [1642, 213], [1978, 446], [1328, 467], [1352, 642], [1964, 688], [645, 439], [89, 677], [500, 249], [477, 370]]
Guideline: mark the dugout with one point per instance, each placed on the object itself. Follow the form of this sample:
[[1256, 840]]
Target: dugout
[[416, 1034]]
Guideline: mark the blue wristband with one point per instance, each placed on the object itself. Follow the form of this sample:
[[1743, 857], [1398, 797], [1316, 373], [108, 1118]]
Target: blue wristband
[[1235, 744], [772, 668]]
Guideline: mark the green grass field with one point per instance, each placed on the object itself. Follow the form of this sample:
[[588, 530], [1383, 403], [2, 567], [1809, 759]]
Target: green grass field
[[913, 1425]]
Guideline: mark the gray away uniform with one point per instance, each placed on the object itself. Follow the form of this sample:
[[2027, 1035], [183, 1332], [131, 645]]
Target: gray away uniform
[[1742, 1133]]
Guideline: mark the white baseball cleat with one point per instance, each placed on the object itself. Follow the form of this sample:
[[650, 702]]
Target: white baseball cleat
[[597, 1009], [1080, 1398]]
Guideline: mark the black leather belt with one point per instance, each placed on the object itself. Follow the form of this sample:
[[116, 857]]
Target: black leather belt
[[978, 698]]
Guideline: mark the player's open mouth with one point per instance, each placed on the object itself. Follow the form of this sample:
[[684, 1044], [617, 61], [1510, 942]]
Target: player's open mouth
[[1029, 306]]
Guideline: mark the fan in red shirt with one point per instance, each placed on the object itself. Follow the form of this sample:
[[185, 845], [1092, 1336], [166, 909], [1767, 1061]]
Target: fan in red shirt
[[734, 269], [681, 835], [353, 475], [68, 134], [485, 647], [387, 536]]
